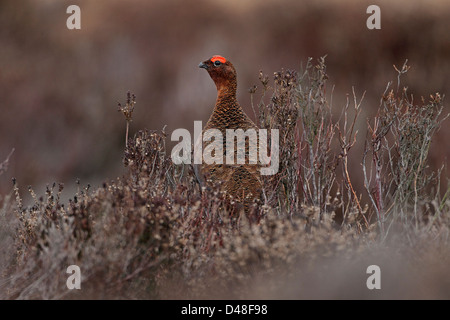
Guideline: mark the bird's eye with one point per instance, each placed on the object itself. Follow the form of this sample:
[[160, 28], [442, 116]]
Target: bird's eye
[[217, 63]]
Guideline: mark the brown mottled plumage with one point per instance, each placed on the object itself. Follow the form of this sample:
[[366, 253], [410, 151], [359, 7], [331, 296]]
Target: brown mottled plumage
[[241, 181]]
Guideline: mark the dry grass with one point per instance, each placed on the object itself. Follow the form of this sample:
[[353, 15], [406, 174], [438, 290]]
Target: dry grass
[[153, 234]]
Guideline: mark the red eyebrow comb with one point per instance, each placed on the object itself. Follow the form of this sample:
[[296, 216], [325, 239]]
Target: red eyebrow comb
[[220, 58]]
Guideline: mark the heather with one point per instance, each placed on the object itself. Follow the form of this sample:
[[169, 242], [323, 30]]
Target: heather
[[152, 233]]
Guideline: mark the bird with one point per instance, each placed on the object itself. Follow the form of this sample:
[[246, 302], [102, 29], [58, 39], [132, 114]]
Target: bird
[[241, 182]]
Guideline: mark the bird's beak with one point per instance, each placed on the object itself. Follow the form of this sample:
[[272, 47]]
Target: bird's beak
[[203, 65]]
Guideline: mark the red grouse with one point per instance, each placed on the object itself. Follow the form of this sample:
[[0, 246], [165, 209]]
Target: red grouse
[[240, 181]]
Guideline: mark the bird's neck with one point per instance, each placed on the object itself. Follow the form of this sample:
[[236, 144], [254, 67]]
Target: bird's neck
[[226, 94]]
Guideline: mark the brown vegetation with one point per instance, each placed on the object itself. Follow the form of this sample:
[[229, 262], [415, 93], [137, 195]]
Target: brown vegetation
[[152, 234]]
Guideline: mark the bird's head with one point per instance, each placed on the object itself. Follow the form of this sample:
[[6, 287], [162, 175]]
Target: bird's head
[[220, 70]]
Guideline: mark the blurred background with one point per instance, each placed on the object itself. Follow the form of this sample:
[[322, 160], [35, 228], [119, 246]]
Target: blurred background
[[59, 88]]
